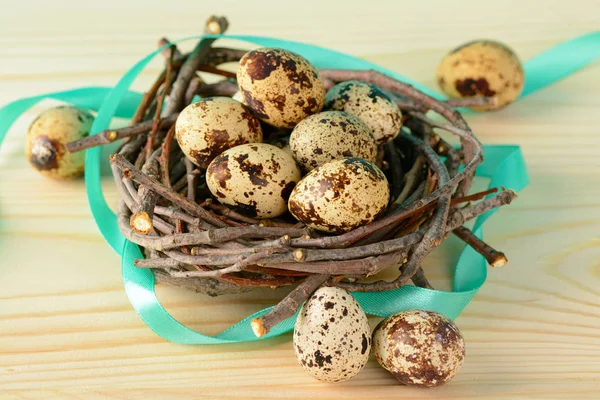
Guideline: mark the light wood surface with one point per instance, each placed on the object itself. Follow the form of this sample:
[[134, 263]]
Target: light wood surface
[[67, 329]]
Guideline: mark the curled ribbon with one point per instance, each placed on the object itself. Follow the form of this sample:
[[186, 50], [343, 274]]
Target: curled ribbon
[[504, 165]]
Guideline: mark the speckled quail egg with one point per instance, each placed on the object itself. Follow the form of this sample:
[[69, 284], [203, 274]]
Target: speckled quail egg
[[482, 68], [281, 87], [254, 179], [340, 195], [212, 125], [331, 135], [332, 337], [369, 103], [420, 348], [47, 137]]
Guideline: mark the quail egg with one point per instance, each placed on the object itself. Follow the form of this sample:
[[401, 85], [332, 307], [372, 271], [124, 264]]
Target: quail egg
[[340, 195], [370, 104], [281, 87], [482, 68], [331, 135], [420, 348], [47, 137], [332, 337], [212, 125], [254, 179]]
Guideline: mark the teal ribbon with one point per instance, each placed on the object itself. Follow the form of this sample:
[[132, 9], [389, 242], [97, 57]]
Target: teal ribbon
[[504, 165]]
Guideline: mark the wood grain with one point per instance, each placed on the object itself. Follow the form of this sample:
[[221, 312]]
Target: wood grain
[[67, 329]]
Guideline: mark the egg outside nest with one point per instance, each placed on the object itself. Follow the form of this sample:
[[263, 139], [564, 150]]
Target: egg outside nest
[[419, 348], [47, 137], [482, 68], [332, 337]]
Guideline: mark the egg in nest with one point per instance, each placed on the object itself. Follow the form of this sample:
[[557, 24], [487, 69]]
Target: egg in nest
[[482, 68], [254, 179], [281, 87], [340, 195], [331, 135], [370, 104], [212, 125]]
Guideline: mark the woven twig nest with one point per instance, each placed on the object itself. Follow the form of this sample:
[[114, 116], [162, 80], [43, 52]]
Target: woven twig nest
[[192, 241]]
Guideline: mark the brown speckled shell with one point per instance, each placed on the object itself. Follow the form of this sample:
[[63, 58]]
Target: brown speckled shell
[[482, 68], [420, 348], [46, 139], [370, 104], [332, 337], [340, 195], [253, 179], [331, 135], [210, 126], [281, 87]]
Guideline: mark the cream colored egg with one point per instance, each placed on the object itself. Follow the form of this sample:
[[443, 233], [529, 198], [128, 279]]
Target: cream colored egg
[[331, 135], [420, 348], [332, 337], [210, 126], [340, 195], [253, 179], [482, 68], [370, 104], [281, 87], [47, 137]]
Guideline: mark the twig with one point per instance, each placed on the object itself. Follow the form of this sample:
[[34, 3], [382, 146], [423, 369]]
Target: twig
[[458, 218], [288, 306], [110, 135], [472, 102], [159, 107], [191, 176], [221, 55], [494, 258], [396, 173], [141, 220], [128, 169], [210, 286], [412, 179], [211, 237], [214, 25], [165, 157], [420, 280], [216, 71], [238, 266], [223, 210], [171, 51], [221, 88], [435, 233], [444, 149]]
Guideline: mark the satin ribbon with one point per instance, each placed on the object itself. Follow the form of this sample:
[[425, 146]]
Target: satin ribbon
[[504, 165]]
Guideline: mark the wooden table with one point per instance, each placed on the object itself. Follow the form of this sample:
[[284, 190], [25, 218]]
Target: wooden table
[[67, 329]]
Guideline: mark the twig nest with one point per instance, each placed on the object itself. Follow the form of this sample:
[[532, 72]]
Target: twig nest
[[370, 104], [331, 135], [340, 195], [46, 139], [281, 87], [254, 179], [420, 348], [482, 68], [210, 126], [332, 338]]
